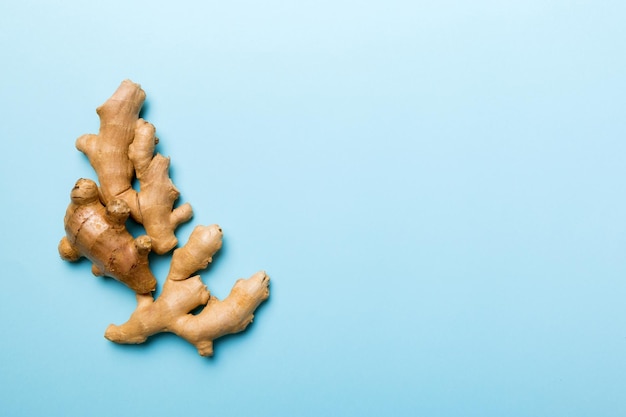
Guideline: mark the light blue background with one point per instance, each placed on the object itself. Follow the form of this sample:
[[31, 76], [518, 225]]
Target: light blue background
[[437, 189]]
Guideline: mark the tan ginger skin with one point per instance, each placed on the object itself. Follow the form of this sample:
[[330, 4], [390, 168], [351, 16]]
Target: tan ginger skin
[[100, 234], [95, 229]]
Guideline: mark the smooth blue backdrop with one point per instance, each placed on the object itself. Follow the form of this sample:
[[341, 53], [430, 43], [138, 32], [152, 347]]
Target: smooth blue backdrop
[[437, 189]]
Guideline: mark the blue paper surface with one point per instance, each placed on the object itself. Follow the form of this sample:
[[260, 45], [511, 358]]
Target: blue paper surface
[[437, 189]]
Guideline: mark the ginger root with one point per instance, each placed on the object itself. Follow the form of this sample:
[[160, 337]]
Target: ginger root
[[95, 227]]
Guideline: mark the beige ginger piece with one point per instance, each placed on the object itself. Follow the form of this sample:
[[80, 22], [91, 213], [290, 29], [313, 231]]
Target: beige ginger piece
[[123, 150], [181, 294], [99, 234]]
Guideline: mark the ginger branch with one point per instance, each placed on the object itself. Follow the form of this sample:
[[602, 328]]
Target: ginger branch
[[99, 234], [124, 149], [171, 312]]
